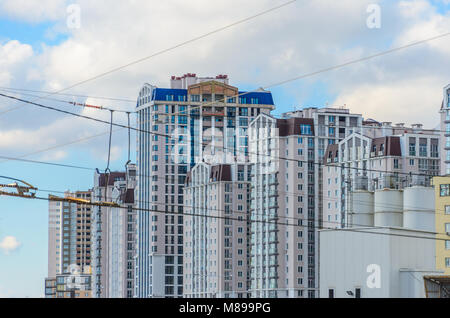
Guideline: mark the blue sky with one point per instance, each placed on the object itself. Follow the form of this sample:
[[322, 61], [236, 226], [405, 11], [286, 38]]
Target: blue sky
[[63, 57]]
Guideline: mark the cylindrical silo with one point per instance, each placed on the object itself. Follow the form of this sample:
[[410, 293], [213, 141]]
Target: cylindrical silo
[[388, 208], [418, 208], [362, 208]]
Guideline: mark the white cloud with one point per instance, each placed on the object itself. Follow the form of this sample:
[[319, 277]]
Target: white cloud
[[33, 11], [12, 55], [9, 244], [405, 101], [297, 39]]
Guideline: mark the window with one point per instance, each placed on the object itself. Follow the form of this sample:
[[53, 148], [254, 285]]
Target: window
[[423, 147], [447, 262], [357, 292], [447, 227], [412, 148], [447, 209], [447, 245], [444, 190], [305, 129]]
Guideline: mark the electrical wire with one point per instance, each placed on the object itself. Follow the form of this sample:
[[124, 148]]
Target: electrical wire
[[203, 143], [167, 49], [217, 217]]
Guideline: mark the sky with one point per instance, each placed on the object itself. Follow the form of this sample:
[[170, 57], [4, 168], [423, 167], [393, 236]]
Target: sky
[[45, 47]]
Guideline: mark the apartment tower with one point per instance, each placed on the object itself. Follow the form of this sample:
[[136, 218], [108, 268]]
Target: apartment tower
[[114, 234], [216, 249], [195, 119]]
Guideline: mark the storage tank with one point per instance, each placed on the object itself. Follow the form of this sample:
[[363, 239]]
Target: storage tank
[[361, 208], [418, 208], [388, 206]]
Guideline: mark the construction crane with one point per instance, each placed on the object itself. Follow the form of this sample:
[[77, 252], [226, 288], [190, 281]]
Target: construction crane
[[22, 189]]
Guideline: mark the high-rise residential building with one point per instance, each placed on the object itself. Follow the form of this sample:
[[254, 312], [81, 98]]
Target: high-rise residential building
[[114, 234], [195, 119], [378, 156], [285, 207], [69, 235], [445, 132], [216, 250], [442, 219]]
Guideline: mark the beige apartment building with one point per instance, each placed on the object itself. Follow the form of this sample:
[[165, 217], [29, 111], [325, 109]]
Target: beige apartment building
[[195, 119], [216, 236], [69, 286]]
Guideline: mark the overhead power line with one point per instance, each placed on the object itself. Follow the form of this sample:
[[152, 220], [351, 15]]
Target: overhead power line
[[168, 49], [291, 194], [203, 143], [250, 220], [331, 68], [14, 89], [73, 103]]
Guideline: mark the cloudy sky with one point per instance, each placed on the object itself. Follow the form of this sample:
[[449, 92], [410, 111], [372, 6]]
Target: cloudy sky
[[43, 48]]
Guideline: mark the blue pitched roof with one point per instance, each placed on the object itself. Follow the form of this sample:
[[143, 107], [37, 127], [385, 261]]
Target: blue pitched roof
[[261, 98], [264, 98], [162, 93]]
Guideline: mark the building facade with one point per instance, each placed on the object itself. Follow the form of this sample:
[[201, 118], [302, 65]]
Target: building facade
[[114, 234], [69, 286], [368, 262], [216, 244], [285, 197], [196, 119], [442, 199], [445, 132]]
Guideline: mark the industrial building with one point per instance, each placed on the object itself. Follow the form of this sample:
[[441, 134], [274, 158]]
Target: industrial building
[[389, 249]]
